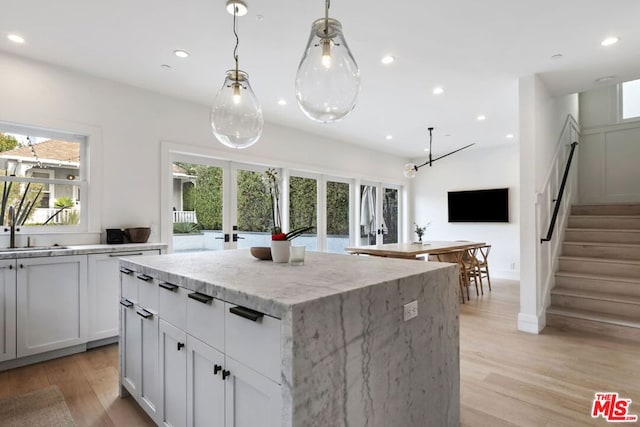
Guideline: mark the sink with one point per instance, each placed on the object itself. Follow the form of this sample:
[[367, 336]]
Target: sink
[[33, 248]]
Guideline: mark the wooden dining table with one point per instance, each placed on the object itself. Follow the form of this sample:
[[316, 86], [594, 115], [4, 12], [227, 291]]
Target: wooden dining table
[[412, 250]]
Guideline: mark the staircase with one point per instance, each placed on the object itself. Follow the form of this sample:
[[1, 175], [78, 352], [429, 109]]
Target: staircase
[[597, 286]]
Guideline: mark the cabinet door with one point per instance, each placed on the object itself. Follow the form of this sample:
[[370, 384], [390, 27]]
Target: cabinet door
[[205, 388], [104, 292], [250, 398], [130, 347], [51, 303], [173, 375], [149, 355], [7, 310]]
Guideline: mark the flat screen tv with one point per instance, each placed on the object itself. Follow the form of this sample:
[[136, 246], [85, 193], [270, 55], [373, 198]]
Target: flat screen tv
[[479, 205]]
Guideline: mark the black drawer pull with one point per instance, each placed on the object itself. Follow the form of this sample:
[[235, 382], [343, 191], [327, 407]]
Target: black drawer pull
[[216, 369], [145, 314], [145, 277], [180, 346], [126, 271], [225, 374], [247, 313], [205, 299], [124, 254], [126, 302], [168, 286]]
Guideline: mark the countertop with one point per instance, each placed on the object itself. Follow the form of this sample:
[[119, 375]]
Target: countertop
[[273, 288], [37, 252]]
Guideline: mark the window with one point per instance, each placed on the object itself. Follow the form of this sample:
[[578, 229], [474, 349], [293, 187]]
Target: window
[[631, 99], [41, 177]]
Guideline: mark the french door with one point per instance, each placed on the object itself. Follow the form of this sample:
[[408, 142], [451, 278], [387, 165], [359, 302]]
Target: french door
[[379, 214], [218, 205]]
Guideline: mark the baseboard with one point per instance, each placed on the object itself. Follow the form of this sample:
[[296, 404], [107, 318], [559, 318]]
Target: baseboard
[[531, 324], [35, 358], [103, 341]]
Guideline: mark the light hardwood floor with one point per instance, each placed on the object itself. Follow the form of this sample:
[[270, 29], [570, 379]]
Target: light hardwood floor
[[509, 378]]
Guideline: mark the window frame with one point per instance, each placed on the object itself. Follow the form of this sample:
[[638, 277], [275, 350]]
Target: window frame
[[80, 184], [621, 118]]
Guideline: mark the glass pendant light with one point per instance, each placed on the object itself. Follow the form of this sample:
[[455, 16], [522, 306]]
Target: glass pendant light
[[236, 115], [328, 78]]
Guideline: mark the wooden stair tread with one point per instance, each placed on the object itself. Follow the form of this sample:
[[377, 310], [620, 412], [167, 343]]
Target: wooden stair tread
[[598, 259], [604, 216], [594, 316], [604, 230], [602, 296], [588, 276], [608, 244]]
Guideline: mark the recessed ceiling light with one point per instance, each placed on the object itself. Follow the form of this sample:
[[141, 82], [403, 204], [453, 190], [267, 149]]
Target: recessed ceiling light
[[604, 79], [447, 134], [15, 38], [259, 18], [438, 90], [609, 41], [166, 66], [509, 136], [388, 59], [282, 101], [240, 6], [181, 53], [389, 137], [557, 56], [481, 117], [426, 150]]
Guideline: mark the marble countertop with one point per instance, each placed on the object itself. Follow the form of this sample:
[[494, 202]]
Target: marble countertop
[[66, 250], [273, 288]]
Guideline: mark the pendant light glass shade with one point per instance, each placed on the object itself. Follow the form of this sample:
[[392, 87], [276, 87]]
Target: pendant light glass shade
[[236, 116], [410, 170], [328, 78]]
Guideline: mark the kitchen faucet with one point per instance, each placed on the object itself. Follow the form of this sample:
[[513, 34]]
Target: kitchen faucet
[[12, 226]]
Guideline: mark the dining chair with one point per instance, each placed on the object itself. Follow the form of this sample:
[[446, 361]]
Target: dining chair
[[454, 257], [472, 268], [482, 258]]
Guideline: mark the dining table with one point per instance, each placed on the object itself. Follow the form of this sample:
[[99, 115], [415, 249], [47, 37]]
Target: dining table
[[412, 250]]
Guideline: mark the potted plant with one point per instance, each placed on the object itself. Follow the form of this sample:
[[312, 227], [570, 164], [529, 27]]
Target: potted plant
[[420, 231], [280, 242]]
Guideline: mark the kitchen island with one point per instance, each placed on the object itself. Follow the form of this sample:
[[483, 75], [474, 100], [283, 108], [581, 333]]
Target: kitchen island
[[324, 344]]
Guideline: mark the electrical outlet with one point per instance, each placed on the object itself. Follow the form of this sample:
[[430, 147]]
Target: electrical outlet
[[513, 265], [410, 310]]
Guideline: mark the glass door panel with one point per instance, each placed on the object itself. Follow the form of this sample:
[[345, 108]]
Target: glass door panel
[[303, 210], [390, 215], [368, 217], [197, 207], [337, 206], [253, 210]]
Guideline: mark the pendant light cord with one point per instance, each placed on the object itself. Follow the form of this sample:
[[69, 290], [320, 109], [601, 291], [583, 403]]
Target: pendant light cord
[[235, 33], [327, 4]]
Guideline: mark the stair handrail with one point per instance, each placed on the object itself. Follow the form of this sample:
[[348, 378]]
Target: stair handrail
[[556, 208]]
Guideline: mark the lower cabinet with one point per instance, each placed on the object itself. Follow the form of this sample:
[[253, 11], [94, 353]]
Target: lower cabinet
[[7, 310], [104, 292], [139, 356], [51, 303], [196, 384]]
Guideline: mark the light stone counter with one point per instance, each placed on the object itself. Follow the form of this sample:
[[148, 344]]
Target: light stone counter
[[348, 357], [67, 250]]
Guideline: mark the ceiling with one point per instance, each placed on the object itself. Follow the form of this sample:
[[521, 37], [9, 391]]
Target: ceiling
[[476, 51]]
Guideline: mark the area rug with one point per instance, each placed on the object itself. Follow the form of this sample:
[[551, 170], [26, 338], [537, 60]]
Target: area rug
[[42, 408]]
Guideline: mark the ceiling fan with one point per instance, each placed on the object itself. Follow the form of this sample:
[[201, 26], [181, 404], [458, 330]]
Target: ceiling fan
[[410, 169]]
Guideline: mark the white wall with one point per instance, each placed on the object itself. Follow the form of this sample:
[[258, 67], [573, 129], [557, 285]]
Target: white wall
[[472, 169], [609, 150], [542, 117], [126, 125]]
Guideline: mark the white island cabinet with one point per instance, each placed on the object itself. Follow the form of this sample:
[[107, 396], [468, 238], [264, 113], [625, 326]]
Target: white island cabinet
[[243, 342], [7, 310]]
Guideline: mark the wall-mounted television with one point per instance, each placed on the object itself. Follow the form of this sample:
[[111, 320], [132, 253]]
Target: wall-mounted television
[[479, 205]]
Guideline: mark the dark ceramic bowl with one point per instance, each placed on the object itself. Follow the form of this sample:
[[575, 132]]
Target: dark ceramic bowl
[[137, 234]]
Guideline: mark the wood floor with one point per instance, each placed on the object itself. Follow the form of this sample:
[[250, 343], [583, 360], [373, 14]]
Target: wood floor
[[509, 378]]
